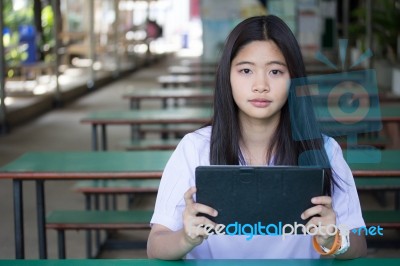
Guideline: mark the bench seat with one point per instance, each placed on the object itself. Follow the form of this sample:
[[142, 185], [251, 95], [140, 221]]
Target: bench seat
[[151, 144], [81, 220], [62, 220], [117, 186], [378, 183], [389, 219], [379, 142], [169, 128]]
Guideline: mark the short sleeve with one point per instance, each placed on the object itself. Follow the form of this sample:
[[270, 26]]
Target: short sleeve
[[345, 201], [177, 178]]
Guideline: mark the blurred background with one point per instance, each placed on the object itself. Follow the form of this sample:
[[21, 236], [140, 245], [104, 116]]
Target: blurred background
[[50, 47], [63, 59]]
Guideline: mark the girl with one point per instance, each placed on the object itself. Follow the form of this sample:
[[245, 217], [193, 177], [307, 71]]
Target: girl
[[255, 122]]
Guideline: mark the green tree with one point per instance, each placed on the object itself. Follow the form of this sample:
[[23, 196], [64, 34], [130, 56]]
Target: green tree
[[14, 52], [385, 26]]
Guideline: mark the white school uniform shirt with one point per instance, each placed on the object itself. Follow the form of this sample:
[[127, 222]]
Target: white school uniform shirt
[[179, 176]]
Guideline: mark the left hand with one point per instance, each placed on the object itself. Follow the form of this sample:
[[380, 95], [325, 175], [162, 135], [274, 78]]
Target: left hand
[[324, 219]]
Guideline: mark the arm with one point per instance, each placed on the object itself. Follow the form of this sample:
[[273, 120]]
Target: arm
[[184, 240], [159, 243], [323, 216]]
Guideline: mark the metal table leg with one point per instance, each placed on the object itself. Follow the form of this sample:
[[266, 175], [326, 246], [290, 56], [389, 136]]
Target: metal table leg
[[94, 138], [88, 206], [41, 219], [18, 220], [103, 137]]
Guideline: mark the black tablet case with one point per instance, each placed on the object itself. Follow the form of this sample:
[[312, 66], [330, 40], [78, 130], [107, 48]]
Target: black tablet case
[[249, 195]]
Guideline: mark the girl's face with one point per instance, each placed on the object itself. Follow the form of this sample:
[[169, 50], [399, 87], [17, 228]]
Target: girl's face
[[259, 80]]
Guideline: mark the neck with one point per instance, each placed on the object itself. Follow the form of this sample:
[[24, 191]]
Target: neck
[[256, 141]]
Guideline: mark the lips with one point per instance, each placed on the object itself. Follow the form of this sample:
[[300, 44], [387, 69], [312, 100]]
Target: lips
[[260, 102]]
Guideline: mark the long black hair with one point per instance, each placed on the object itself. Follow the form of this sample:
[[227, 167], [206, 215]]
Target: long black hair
[[295, 141]]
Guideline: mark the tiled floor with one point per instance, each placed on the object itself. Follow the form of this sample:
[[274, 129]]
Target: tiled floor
[[60, 130]]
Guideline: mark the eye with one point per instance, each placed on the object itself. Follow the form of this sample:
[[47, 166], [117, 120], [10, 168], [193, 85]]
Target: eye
[[245, 71], [276, 72]]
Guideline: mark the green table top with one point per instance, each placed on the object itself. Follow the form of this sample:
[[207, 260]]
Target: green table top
[[386, 112], [87, 165], [131, 262], [164, 116], [148, 164], [367, 163], [192, 70], [170, 93], [202, 115], [381, 183]]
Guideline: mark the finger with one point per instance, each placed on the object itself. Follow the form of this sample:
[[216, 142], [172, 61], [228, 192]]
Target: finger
[[321, 226], [201, 208], [203, 221], [322, 200], [188, 196], [196, 226], [320, 210]]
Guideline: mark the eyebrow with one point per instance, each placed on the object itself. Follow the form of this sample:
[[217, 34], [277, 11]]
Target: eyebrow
[[267, 64]]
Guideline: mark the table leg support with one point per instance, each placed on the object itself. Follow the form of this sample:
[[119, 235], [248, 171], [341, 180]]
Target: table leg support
[[41, 219], [94, 138], [18, 220], [97, 235], [88, 206], [104, 137], [61, 244]]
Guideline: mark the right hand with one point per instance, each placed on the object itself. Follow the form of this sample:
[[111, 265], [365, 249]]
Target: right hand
[[194, 234]]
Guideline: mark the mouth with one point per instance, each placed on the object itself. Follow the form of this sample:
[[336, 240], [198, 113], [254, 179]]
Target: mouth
[[260, 102]]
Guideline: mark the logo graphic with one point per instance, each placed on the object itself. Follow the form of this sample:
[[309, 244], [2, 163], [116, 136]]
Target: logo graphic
[[283, 230], [345, 104]]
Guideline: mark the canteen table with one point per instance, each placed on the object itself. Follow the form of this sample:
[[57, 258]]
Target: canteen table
[[180, 115], [389, 116], [192, 70], [186, 81], [43, 166], [136, 96]]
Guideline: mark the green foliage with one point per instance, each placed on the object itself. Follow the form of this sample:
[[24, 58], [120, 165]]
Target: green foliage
[[48, 40], [385, 25], [15, 52], [14, 18]]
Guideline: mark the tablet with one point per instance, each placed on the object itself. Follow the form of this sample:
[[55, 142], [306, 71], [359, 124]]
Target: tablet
[[260, 194]]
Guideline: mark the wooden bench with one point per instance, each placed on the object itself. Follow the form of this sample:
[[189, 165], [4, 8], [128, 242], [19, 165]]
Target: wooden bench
[[93, 189], [185, 81], [177, 130], [378, 183], [151, 144], [117, 186], [389, 219], [386, 219], [379, 142], [379, 186], [92, 220]]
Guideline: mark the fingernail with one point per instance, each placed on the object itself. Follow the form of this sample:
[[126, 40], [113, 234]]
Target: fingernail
[[313, 200], [215, 213], [302, 216]]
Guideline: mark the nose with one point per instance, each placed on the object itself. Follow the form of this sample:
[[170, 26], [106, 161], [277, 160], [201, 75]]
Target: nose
[[261, 83]]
